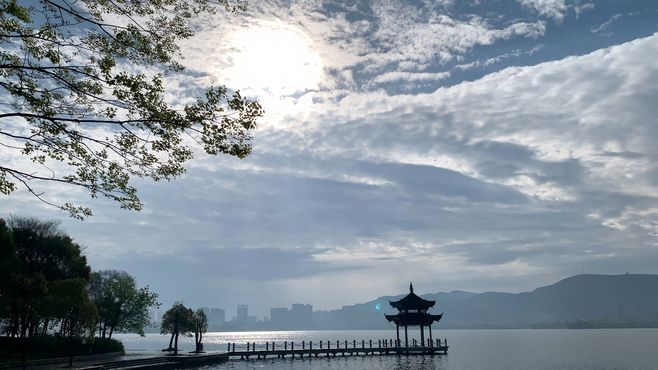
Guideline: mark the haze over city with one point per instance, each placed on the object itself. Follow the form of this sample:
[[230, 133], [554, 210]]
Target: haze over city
[[461, 145]]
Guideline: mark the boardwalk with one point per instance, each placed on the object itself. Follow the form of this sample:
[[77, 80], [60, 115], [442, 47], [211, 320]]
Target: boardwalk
[[335, 348]]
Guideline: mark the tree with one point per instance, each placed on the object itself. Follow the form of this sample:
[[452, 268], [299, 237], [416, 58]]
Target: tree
[[88, 97], [200, 327], [120, 304], [178, 320], [48, 283], [7, 267]]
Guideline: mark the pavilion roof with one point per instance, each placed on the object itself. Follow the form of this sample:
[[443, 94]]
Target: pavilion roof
[[412, 302], [414, 318]]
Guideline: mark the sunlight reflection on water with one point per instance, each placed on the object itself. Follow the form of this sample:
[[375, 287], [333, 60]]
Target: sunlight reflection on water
[[469, 349]]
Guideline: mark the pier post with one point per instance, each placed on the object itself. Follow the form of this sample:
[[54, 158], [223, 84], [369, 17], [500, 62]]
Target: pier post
[[292, 348], [233, 346], [285, 345], [406, 338], [267, 346], [320, 344], [303, 345], [229, 348]]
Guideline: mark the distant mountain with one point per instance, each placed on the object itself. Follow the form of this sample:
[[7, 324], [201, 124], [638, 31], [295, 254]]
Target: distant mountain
[[629, 300]]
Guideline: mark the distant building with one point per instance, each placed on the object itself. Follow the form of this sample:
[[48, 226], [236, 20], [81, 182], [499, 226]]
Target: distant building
[[301, 315], [280, 317], [155, 316], [242, 314], [216, 317]]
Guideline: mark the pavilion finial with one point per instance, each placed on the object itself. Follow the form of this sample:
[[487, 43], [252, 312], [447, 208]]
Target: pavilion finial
[[411, 287]]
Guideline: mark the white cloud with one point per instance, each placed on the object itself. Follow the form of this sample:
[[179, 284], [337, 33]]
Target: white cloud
[[555, 9], [527, 172], [410, 76]]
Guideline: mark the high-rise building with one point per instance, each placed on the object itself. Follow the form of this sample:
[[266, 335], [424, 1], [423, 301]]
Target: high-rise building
[[280, 317], [301, 315], [242, 314]]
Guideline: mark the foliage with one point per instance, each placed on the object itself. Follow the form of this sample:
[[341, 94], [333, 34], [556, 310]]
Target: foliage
[[121, 305], [88, 99], [178, 320], [7, 265], [200, 321], [47, 285]]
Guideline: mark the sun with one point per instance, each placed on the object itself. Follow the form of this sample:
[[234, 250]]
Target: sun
[[274, 58]]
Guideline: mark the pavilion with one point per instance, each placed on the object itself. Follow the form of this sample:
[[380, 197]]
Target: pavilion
[[412, 311]]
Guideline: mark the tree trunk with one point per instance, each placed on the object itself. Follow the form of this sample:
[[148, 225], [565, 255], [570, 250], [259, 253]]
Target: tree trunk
[[111, 331], [45, 326], [176, 345], [171, 341]]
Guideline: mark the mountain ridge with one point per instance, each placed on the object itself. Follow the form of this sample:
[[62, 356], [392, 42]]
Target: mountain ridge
[[590, 300]]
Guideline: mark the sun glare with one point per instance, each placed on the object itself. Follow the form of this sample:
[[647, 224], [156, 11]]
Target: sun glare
[[274, 58]]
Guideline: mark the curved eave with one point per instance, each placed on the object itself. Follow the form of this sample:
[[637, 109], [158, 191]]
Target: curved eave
[[412, 306], [412, 302], [412, 319], [391, 317]]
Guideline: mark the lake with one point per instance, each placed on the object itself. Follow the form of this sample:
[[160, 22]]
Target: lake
[[469, 349]]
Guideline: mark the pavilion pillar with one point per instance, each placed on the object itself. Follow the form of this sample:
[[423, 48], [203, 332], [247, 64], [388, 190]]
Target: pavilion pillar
[[406, 338], [422, 335], [430, 328], [397, 329]]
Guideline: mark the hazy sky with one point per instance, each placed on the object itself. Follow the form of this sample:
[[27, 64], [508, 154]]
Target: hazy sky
[[475, 145]]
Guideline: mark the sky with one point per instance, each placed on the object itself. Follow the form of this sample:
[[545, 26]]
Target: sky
[[462, 145]]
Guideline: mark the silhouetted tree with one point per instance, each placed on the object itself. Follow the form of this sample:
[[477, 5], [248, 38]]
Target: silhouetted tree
[[88, 101], [48, 283], [7, 268], [120, 304], [200, 327], [178, 320]]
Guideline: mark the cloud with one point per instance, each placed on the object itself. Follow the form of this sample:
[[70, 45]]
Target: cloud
[[409, 76], [506, 181], [605, 24], [555, 9]]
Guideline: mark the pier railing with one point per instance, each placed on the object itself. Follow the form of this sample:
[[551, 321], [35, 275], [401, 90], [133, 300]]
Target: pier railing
[[337, 347]]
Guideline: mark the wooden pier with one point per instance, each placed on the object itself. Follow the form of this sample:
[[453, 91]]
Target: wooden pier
[[336, 348]]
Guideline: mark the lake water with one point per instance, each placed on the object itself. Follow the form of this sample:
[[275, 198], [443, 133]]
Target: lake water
[[469, 349]]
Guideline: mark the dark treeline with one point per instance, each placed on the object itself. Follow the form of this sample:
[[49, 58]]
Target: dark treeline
[[47, 289]]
